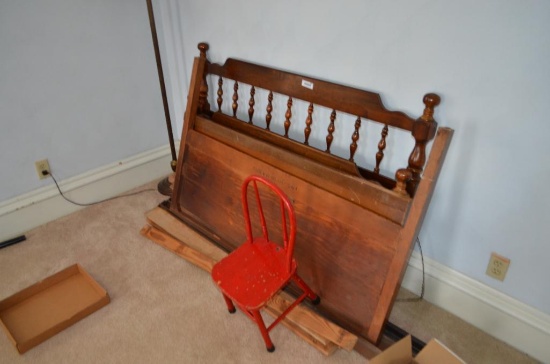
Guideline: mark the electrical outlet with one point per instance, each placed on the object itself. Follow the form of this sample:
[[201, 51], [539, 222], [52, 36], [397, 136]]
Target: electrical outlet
[[498, 266], [41, 166]]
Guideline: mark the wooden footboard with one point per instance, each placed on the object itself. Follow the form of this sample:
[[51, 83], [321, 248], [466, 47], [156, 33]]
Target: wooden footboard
[[356, 227]]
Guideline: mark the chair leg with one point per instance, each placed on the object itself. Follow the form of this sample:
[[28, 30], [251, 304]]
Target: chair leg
[[315, 299], [229, 303], [259, 320]]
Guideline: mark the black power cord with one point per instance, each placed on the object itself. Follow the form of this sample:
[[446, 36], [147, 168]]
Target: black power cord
[[15, 240], [46, 173]]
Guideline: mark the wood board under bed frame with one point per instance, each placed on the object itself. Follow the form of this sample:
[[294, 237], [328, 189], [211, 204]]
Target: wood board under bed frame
[[356, 227]]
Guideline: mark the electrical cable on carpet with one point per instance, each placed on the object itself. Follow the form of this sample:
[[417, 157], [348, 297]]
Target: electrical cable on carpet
[[96, 202]]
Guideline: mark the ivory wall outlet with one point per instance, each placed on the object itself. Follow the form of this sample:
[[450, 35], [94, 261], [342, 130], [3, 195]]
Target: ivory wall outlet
[[42, 166], [498, 266]]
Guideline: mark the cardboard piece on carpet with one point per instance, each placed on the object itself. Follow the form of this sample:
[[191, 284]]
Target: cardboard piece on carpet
[[401, 353], [42, 310]]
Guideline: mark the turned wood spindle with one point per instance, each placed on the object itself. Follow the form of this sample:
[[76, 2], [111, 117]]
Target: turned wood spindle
[[330, 130], [235, 104], [354, 139], [251, 104], [204, 105], [423, 131], [309, 121], [402, 176], [269, 109], [220, 93], [381, 147], [288, 115]]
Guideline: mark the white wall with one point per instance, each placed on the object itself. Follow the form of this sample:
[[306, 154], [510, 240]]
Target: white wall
[[78, 85], [489, 62]]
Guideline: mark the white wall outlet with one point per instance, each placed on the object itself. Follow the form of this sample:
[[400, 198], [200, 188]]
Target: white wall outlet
[[42, 166], [498, 266]]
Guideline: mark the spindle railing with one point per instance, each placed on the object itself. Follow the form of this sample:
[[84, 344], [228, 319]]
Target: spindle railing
[[363, 105]]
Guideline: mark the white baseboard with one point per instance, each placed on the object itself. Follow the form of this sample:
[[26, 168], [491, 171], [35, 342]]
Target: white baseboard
[[501, 316], [27, 211]]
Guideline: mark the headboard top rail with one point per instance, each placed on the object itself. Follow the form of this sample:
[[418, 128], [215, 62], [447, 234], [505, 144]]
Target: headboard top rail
[[361, 104], [351, 100]]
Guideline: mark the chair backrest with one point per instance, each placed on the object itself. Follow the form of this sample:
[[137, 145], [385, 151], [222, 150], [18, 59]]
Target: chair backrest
[[288, 233]]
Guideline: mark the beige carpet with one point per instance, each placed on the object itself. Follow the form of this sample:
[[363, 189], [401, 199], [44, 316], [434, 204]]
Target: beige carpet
[[165, 310]]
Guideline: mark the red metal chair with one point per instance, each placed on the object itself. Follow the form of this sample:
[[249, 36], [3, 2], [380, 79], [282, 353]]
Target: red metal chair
[[259, 268]]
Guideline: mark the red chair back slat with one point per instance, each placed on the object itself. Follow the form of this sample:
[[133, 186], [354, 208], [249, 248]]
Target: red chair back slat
[[289, 233]]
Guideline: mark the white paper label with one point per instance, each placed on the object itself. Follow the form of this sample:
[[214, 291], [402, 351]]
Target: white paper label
[[307, 84]]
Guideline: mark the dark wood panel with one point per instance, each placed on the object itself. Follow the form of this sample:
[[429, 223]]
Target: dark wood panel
[[344, 251], [355, 189]]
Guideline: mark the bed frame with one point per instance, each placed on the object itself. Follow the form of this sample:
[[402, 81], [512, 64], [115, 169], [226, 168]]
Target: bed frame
[[356, 226]]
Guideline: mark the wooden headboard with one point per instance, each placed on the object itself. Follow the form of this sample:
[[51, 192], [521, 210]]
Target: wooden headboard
[[356, 226]]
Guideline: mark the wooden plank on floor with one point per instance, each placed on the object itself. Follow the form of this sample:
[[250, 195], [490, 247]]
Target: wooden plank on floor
[[312, 326], [164, 220], [316, 325], [201, 260], [324, 346], [206, 263]]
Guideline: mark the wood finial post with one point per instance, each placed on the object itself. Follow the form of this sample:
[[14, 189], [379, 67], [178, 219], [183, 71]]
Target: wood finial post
[[423, 131], [402, 176], [204, 105], [203, 48], [431, 101]]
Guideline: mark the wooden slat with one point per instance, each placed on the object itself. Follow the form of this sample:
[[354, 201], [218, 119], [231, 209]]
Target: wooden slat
[[325, 347], [348, 99], [355, 189], [163, 220], [316, 326], [275, 310], [313, 326], [185, 252], [189, 117]]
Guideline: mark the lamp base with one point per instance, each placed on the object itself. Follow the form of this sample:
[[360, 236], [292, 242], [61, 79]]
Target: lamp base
[[166, 185]]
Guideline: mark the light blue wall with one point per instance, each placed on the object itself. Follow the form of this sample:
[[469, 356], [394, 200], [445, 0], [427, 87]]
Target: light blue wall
[[489, 62], [78, 85]]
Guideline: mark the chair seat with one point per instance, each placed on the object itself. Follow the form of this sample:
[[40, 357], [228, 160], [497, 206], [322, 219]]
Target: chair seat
[[253, 273]]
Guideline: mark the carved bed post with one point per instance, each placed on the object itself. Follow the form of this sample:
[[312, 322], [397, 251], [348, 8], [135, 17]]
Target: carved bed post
[[204, 106], [423, 131]]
